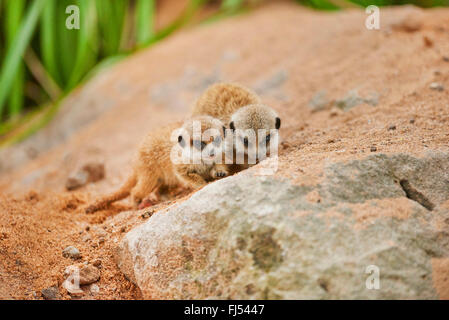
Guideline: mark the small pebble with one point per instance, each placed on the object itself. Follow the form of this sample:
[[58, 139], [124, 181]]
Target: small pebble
[[147, 214], [392, 127], [94, 288], [89, 274], [446, 58], [95, 171], [373, 149], [90, 172], [436, 86], [428, 42], [51, 293], [97, 263], [71, 252], [412, 121], [76, 181]]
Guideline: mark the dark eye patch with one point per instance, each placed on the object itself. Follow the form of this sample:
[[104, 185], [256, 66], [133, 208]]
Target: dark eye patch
[[217, 141], [278, 123], [181, 141], [245, 141], [199, 145], [267, 138]]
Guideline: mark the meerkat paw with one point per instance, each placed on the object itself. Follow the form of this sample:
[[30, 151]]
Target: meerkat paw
[[149, 201], [219, 173]]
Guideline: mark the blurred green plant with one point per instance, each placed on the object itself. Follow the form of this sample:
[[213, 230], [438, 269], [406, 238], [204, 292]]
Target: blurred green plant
[[42, 60]]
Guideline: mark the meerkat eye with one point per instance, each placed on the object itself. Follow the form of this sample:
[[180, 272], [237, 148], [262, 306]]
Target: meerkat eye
[[278, 123], [217, 141], [181, 141], [267, 138], [198, 144]]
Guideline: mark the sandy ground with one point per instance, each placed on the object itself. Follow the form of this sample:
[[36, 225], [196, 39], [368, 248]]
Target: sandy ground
[[289, 54]]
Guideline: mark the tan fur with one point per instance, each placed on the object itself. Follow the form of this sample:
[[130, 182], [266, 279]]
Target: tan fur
[[221, 100], [154, 169]]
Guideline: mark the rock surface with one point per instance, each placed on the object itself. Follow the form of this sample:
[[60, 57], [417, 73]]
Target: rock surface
[[51, 293], [252, 237]]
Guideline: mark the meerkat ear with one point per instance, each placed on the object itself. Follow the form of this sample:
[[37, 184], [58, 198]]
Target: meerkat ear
[[224, 131], [181, 141], [278, 123], [231, 125]]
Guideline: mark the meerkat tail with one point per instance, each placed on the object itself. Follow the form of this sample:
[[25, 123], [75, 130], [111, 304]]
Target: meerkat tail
[[120, 194]]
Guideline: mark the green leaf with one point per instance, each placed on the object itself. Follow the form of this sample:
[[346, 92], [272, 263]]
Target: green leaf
[[48, 41], [14, 13], [145, 20], [86, 53], [14, 54]]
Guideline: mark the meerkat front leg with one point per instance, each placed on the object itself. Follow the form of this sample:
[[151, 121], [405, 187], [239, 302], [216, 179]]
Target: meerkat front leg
[[195, 180], [145, 186], [190, 177]]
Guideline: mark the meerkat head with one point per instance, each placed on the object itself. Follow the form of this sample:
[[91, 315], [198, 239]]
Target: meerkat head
[[254, 126], [204, 136]]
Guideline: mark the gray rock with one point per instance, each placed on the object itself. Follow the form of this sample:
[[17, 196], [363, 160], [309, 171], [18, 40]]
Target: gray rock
[[51, 293], [279, 244], [319, 101], [273, 82], [352, 99], [71, 252], [77, 180], [90, 172]]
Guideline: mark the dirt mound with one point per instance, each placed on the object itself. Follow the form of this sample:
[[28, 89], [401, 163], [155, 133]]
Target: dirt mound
[[343, 92]]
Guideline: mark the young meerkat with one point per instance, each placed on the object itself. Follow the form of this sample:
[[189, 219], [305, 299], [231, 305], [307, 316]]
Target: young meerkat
[[240, 109], [156, 166]]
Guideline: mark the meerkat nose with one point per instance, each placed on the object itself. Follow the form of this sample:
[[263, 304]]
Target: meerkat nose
[[211, 153]]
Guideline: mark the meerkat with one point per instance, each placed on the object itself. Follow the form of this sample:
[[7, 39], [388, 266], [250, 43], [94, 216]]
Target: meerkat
[[241, 110], [155, 167]]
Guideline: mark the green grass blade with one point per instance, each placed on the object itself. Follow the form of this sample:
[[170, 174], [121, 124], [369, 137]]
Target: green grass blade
[[48, 42], [231, 5], [13, 17], [65, 41], [86, 56], [320, 4], [111, 17], [144, 20], [15, 53]]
